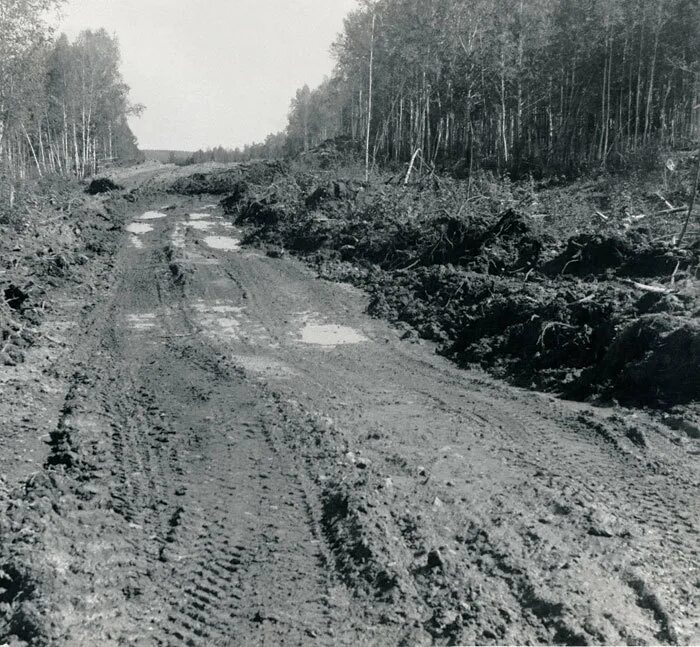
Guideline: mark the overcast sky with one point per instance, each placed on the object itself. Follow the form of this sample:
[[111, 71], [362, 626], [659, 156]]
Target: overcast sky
[[214, 72]]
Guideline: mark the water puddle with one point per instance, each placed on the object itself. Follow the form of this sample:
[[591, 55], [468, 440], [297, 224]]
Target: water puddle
[[135, 241], [138, 228], [223, 321], [330, 335], [223, 242], [199, 216], [144, 321], [264, 366], [211, 319], [152, 215], [208, 207], [200, 225], [178, 235]]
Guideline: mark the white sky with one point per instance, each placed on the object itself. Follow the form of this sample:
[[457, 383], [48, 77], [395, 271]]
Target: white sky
[[214, 72]]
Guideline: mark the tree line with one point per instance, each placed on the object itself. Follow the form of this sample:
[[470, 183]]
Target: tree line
[[274, 146], [63, 105], [524, 86]]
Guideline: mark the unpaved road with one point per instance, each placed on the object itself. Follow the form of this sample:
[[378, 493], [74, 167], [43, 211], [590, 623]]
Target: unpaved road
[[243, 457]]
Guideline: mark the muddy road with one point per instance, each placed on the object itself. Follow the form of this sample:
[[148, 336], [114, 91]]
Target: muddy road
[[241, 456]]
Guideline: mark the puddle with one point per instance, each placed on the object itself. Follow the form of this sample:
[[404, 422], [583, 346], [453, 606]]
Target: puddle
[[218, 307], [330, 335], [199, 216], [223, 321], [226, 326], [152, 215], [212, 321], [178, 235], [208, 207], [265, 366], [135, 241], [200, 225], [225, 309], [138, 228], [223, 242], [144, 321]]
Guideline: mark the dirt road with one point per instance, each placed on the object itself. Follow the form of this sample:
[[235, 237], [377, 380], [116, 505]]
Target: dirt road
[[244, 457]]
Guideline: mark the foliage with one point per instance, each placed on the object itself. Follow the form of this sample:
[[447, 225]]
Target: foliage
[[524, 86], [63, 105]]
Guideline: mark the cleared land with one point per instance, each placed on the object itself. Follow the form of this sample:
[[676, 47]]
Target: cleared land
[[226, 449]]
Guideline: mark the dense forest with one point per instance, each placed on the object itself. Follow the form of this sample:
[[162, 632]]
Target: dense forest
[[525, 86], [63, 105]]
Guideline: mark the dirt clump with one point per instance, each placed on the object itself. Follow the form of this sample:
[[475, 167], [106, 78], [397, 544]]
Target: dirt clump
[[630, 253], [102, 185], [653, 359]]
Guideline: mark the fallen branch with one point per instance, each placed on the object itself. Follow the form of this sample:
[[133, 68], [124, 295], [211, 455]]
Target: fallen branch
[[656, 289], [585, 299], [664, 200], [548, 326], [692, 203], [410, 166], [672, 210], [675, 271]]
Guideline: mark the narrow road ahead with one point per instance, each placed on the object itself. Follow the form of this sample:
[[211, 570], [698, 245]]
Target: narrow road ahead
[[244, 457]]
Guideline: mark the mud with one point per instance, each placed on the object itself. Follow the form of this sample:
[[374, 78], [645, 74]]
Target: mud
[[211, 479]]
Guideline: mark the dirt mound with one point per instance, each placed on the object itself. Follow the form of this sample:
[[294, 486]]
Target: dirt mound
[[379, 225], [333, 152], [336, 190], [227, 180], [51, 245], [102, 185], [631, 253], [654, 358]]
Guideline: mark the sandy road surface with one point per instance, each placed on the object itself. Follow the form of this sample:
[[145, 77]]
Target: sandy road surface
[[244, 457]]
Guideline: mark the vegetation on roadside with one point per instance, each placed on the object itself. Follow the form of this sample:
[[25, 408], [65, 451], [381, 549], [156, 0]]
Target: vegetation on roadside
[[63, 105]]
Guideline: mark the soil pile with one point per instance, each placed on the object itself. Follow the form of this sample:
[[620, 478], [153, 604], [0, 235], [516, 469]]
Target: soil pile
[[225, 180], [332, 153], [49, 243], [102, 185], [633, 253]]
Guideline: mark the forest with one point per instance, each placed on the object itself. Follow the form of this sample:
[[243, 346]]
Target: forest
[[528, 87], [63, 105]]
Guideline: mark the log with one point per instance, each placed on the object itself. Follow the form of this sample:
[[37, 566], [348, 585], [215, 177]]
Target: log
[[656, 289]]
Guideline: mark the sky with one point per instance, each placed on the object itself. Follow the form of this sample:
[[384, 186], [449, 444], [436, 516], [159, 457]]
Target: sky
[[214, 72]]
